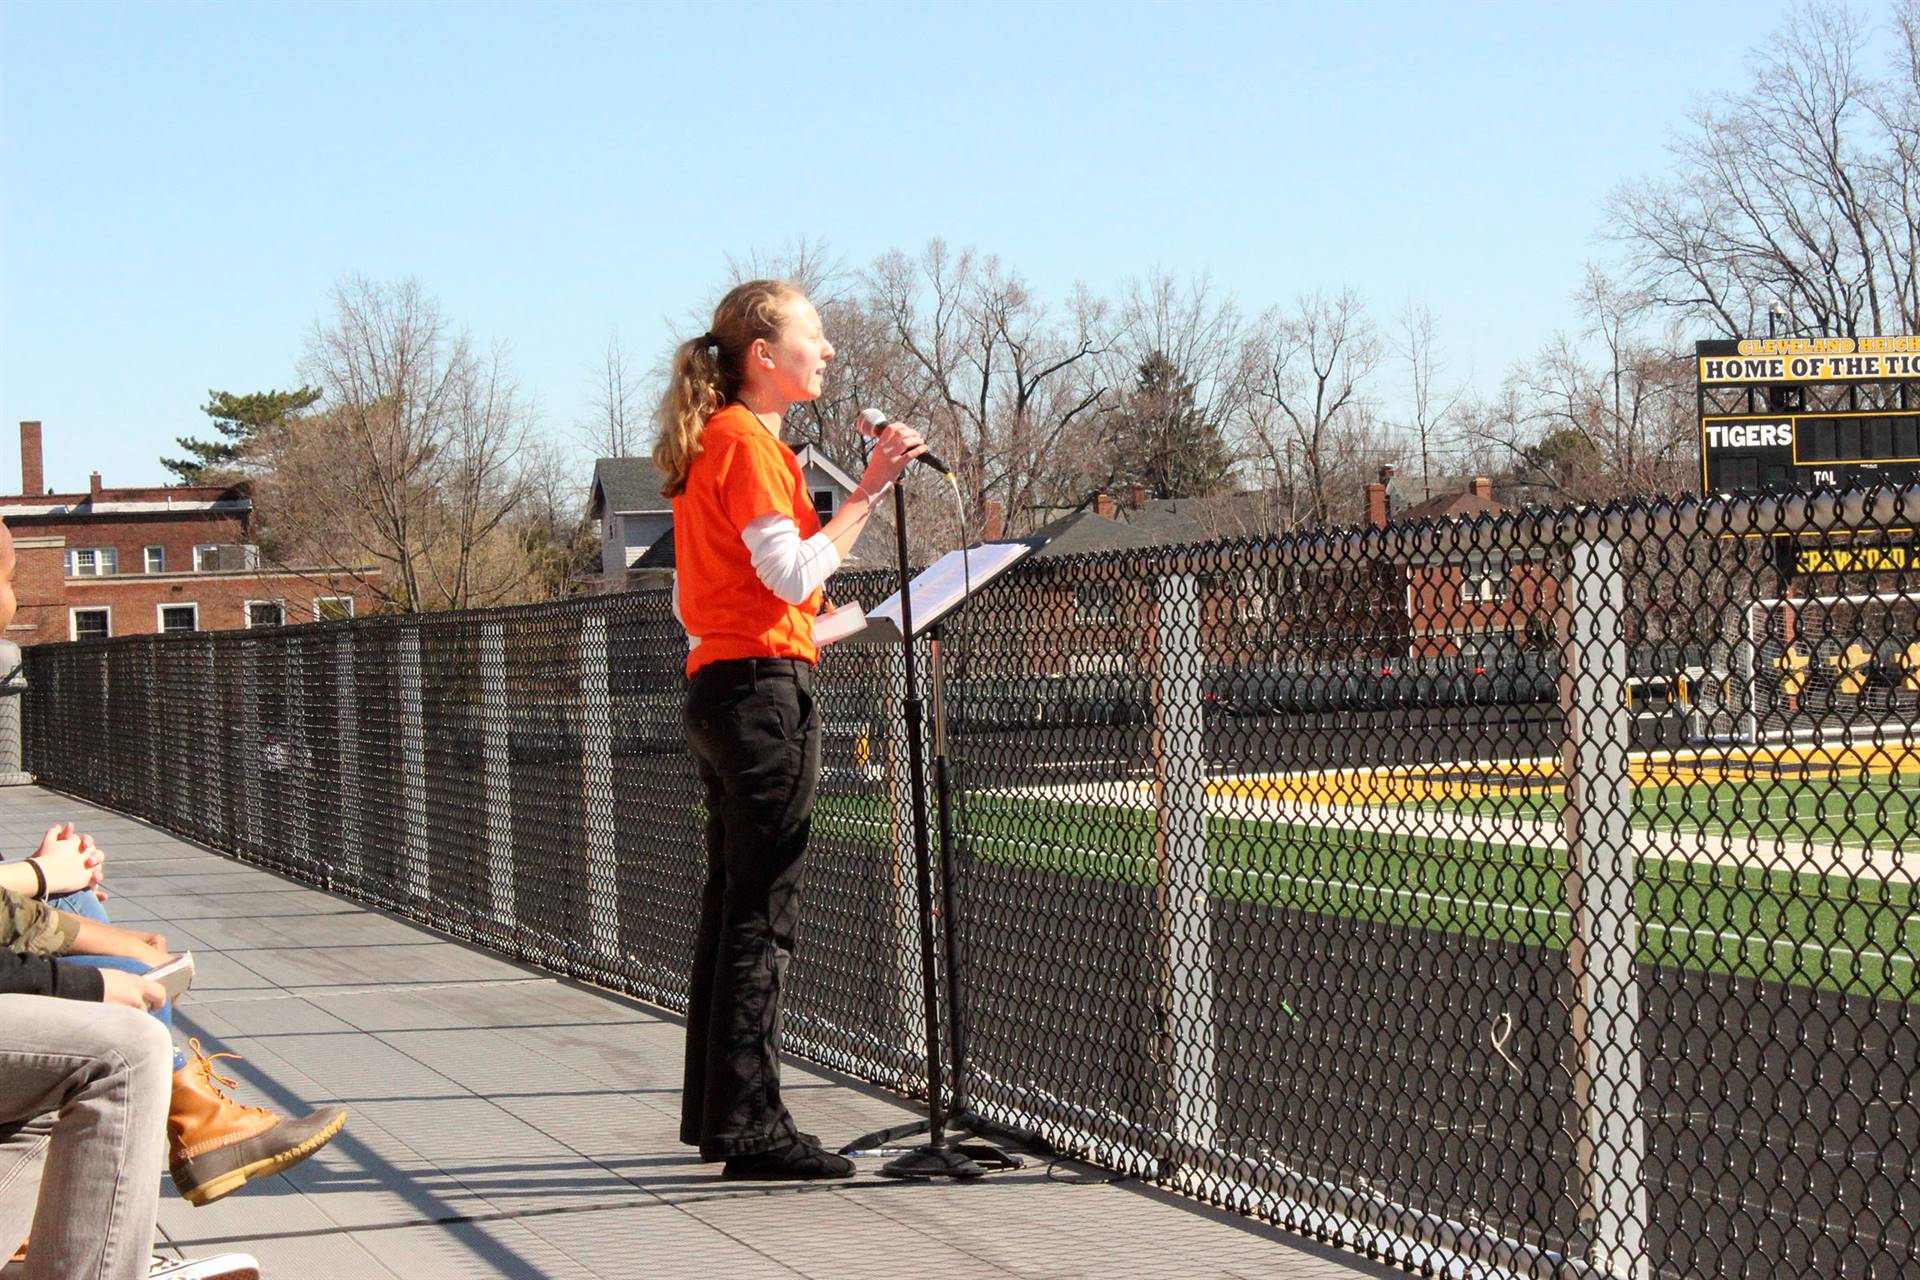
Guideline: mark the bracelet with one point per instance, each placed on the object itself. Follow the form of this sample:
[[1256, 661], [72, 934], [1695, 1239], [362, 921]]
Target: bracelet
[[40, 875]]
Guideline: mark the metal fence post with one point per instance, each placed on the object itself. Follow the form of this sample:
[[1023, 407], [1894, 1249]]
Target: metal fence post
[[1604, 945], [1185, 870], [596, 758], [413, 764], [152, 743], [294, 756], [246, 786], [13, 692], [496, 771], [906, 907], [347, 688], [214, 746]]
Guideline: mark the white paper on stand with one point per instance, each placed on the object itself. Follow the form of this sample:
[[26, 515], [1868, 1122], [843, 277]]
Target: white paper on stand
[[846, 620], [944, 583]]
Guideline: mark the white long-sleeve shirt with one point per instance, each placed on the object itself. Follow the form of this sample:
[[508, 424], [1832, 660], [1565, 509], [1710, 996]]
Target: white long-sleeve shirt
[[787, 565]]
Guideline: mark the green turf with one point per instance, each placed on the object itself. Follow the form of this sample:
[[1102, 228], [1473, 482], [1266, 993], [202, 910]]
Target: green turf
[[1839, 933]]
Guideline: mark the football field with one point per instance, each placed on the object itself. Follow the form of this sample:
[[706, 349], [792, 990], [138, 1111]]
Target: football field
[[1789, 864]]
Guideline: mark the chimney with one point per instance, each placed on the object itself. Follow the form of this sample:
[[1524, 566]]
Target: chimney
[[1103, 505], [96, 490], [1481, 487], [1136, 497], [33, 475], [993, 525], [1377, 505]]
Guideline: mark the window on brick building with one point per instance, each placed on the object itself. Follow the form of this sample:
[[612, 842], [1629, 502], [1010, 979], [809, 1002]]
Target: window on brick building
[[266, 613], [92, 562], [1483, 579], [91, 624], [179, 617], [332, 608], [225, 557], [1096, 602], [156, 559]]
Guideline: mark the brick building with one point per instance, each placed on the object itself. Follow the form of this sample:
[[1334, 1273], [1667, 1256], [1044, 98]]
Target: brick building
[[117, 562], [1460, 599]]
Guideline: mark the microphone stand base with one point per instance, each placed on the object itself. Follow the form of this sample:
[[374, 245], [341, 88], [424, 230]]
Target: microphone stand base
[[934, 1162], [991, 1156]]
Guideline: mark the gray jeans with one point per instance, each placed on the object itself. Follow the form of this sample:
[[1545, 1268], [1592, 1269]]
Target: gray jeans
[[83, 1118]]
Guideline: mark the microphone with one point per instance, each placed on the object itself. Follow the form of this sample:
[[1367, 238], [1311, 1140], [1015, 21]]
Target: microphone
[[874, 421]]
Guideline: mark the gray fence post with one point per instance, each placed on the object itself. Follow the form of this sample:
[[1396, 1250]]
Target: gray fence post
[[906, 905], [1185, 870], [294, 754], [1604, 945], [246, 782], [151, 726], [352, 799], [596, 755], [210, 739], [413, 765], [13, 692], [496, 772]]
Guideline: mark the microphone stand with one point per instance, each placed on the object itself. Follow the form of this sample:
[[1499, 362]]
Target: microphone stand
[[938, 1157]]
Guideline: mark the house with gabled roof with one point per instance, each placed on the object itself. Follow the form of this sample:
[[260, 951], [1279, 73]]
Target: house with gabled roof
[[635, 520]]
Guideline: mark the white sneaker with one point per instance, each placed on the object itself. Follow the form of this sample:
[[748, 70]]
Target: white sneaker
[[226, 1266]]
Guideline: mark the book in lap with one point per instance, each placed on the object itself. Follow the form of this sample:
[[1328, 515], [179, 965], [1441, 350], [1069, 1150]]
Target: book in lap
[[176, 975]]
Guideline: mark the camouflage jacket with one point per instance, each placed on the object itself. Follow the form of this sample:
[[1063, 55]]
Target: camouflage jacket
[[32, 934], [33, 927]]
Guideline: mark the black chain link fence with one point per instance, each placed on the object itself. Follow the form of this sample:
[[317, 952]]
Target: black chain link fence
[[1530, 896]]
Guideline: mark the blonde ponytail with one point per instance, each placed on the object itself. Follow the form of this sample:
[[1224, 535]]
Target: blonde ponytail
[[707, 373]]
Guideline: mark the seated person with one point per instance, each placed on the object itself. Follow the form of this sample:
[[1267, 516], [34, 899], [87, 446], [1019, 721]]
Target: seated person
[[83, 1084], [215, 1145]]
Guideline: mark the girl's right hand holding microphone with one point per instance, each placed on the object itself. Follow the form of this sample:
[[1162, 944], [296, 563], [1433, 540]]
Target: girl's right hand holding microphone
[[894, 449]]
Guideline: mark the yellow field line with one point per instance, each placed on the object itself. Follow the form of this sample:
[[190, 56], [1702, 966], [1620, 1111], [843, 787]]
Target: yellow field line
[[1419, 784]]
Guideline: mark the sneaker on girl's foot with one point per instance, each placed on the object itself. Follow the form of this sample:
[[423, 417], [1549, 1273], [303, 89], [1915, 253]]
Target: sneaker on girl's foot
[[801, 1162], [227, 1266]]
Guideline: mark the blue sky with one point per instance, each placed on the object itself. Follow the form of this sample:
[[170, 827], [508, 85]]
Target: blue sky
[[181, 183]]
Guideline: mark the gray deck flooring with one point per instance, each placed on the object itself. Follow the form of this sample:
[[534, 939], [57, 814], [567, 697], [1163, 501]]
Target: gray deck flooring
[[506, 1123]]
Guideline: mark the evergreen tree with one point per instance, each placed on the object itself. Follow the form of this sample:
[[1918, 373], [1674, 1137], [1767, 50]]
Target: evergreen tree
[[1163, 441], [238, 419]]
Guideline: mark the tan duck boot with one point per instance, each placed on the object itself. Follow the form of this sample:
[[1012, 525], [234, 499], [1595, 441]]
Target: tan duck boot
[[215, 1145]]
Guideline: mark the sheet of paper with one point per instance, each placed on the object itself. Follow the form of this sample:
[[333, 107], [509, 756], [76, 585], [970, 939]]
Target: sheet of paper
[[846, 620], [944, 583]]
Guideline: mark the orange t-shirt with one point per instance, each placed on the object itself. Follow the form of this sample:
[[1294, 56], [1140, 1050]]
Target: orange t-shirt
[[742, 473]]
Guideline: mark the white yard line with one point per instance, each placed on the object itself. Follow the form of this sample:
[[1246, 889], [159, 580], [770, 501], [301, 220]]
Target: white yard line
[[1772, 853]]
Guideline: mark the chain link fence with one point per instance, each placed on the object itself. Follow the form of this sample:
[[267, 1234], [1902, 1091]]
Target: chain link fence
[[1530, 896]]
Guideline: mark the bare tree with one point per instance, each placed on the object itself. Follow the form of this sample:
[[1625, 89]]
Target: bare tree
[[1008, 393], [1430, 425], [618, 424], [413, 462], [1799, 191], [1306, 412], [1189, 323], [1173, 370], [1608, 413]]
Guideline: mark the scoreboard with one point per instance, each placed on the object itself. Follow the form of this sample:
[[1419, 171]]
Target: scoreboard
[[1807, 413]]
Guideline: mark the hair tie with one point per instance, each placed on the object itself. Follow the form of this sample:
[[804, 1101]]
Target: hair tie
[[708, 340]]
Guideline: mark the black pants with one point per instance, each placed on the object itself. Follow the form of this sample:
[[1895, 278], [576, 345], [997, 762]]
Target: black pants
[[756, 741]]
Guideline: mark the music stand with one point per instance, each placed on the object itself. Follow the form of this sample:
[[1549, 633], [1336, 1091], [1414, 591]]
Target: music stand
[[919, 606]]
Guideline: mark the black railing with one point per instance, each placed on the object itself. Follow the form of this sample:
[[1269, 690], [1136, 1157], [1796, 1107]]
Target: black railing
[[1531, 895]]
